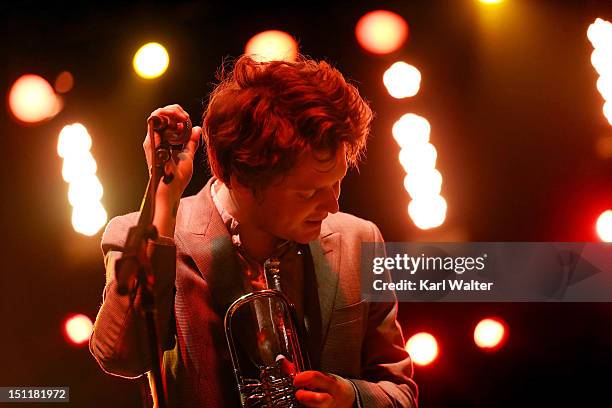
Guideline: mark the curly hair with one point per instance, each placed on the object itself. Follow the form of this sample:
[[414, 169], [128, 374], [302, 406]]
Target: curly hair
[[262, 115]]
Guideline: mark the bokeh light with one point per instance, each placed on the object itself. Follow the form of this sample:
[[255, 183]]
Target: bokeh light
[[490, 333], [85, 191], [32, 99], [429, 212], [64, 82], [381, 31], [272, 45], [604, 226], [78, 166], [411, 130], [418, 158], [73, 140], [424, 184], [490, 1], [88, 219], [402, 80], [78, 328], [151, 60], [423, 348]]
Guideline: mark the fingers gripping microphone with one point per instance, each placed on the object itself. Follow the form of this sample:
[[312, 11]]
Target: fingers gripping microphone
[[170, 131]]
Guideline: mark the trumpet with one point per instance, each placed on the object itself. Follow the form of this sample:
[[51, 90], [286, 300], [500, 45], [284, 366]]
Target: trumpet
[[266, 363]]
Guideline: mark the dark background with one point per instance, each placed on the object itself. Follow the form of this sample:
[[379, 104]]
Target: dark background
[[510, 94]]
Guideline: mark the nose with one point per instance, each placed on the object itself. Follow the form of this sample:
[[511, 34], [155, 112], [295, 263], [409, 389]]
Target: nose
[[330, 200]]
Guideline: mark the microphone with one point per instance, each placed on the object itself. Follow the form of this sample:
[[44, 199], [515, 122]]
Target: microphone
[[168, 131]]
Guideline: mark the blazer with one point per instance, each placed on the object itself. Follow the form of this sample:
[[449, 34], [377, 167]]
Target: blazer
[[197, 277]]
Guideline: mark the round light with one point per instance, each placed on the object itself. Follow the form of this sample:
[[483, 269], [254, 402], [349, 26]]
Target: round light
[[73, 140], [85, 191], [411, 130], [418, 158], [428, 212], [272, 45], [489, 333], [78, 329], [64, 82], [604, 226], [77, 166], [32, 99], [381, 31], [423, 348], [423, 185], [402, 80], [89, 219], [151, 60]]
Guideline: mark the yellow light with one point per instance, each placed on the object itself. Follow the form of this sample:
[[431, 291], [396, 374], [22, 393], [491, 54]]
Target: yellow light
[[429, 212], [78, 328], [272, 45], [604, 226], [411, 130], [381, 31], [418, 158], [73, 140], [32, 99], [85, 191], [490, 1], [423, 348], [151, 60], [604, 86], [424, 184], [78, 166], [489, 333], [402, 80], [600, 33], [607, 111], [89, 219]]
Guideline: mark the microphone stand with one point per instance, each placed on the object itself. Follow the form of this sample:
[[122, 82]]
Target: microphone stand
[[134, 272]]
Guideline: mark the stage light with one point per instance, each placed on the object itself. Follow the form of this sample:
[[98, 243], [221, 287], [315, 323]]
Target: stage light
[[607, 111], [78, 166], [423, 184], [78, 329], [272, 45], [599, 33], [491, 1], [402, 80], [604, 86], [89, 219], [423, 348], [32, 99], [604, 226], [490, 333], [429, 212], [85, 191], [418, 158], [73, 140], [381, 31], [151, 60], [411, 130], [64, 82]]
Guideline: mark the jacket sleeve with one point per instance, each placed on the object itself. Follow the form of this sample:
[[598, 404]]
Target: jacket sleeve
[[119, 338], [386, 378]]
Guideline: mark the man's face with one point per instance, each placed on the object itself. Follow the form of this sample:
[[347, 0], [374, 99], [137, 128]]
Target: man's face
[[294, 207]]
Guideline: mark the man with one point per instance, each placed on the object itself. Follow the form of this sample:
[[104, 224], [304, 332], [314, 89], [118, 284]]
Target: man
[[280, 138]]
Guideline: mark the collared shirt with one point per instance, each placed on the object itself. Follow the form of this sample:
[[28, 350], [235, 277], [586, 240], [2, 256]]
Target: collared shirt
[[288, 252]]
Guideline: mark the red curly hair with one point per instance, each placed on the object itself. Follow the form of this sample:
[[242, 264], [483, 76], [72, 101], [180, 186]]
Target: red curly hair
[[262, 115]]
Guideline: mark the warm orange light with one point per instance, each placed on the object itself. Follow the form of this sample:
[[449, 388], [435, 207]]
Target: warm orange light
[[411, 130], [78, 329], [381, 31], [402, 80], [64, 82], [423, 348], [424, 184], [32, 99], [490, 333], [604, 226], [272, 45], [428, 212], [418, 158]]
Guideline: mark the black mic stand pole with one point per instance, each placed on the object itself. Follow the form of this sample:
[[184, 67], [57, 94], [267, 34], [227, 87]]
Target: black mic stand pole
[[134, 273]]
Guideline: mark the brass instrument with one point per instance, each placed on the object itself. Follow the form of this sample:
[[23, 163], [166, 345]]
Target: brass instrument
[[266, 362]]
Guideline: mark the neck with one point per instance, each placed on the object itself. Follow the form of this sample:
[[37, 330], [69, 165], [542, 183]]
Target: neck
[[259, 244]]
